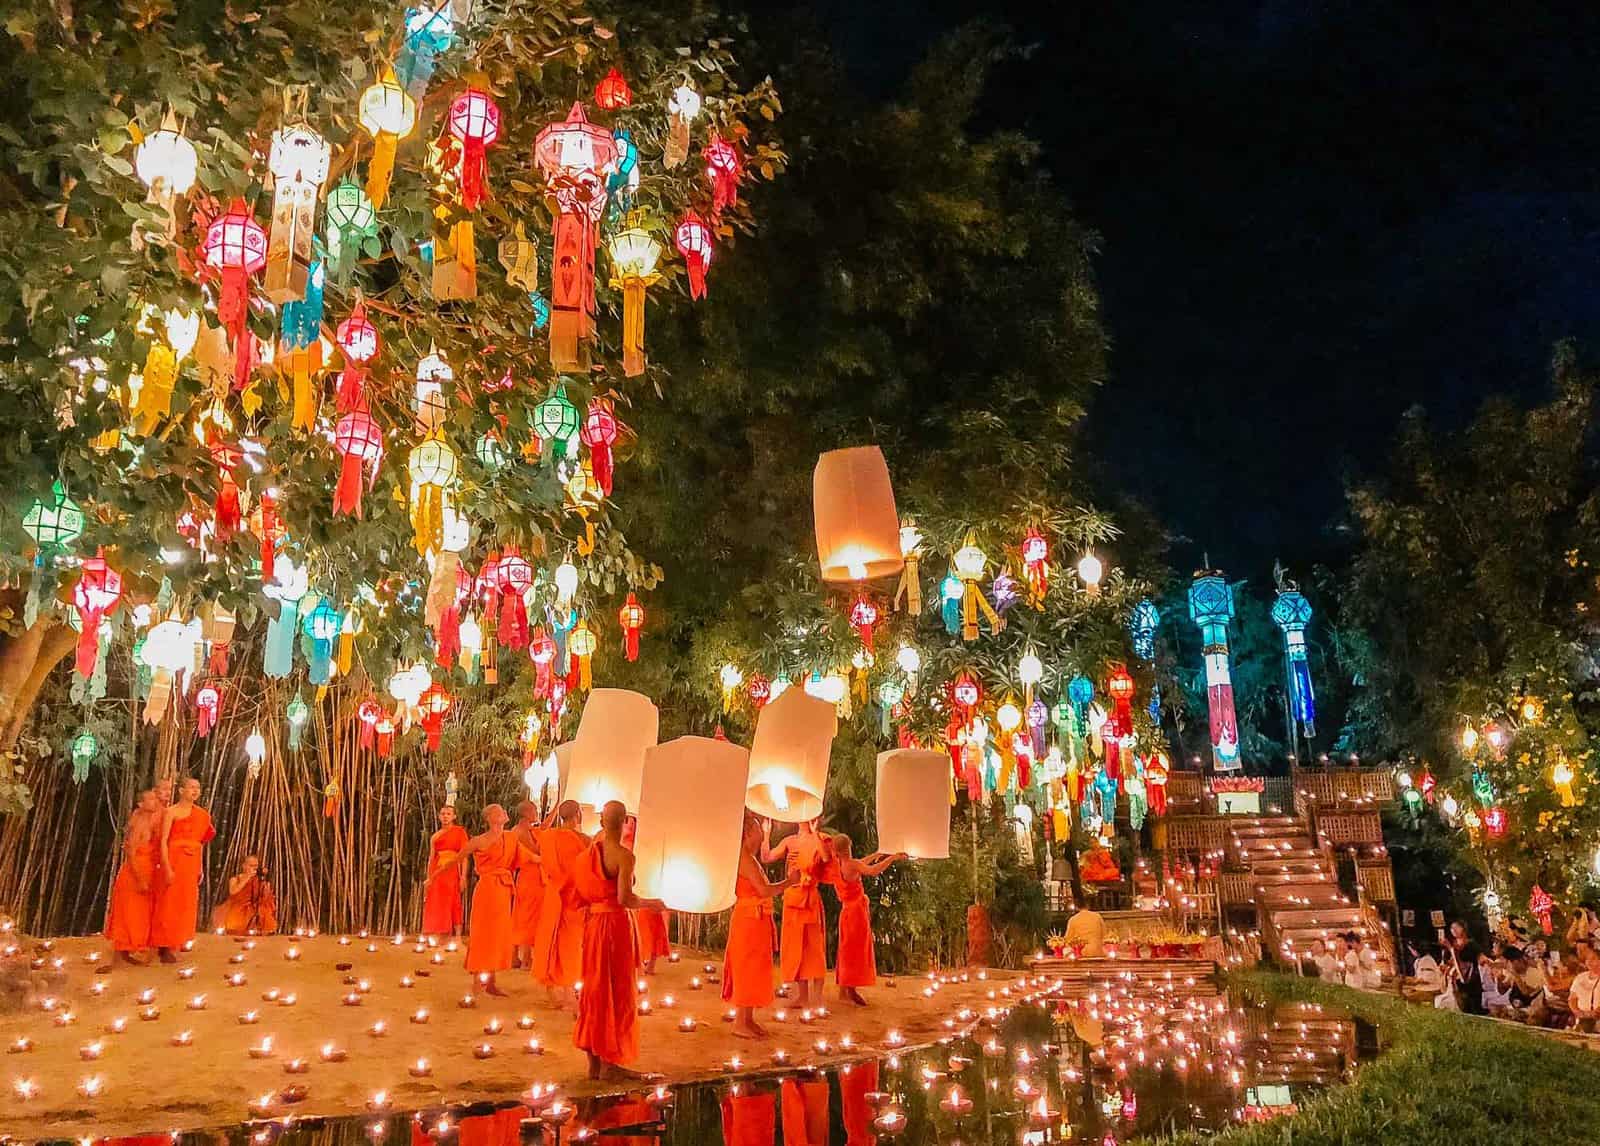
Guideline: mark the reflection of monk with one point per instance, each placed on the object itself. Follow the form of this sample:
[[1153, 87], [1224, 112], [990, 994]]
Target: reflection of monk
[[805, 1112], [558, 937], [185, 831], [499, 1128], [650, 926], [251, 907], [747, 966], [802, 956], [856, 964], [749, 1118], [607, 1029], [1097, 865], [856, 1081], [530, 885], [494, 852], [133, 895], [441, 901]]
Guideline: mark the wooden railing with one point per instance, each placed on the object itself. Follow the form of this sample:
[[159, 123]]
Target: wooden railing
[[1340, 829], [1197, 833], [1333, 789], [1186, 788], [1234, 889], [1375, 882]]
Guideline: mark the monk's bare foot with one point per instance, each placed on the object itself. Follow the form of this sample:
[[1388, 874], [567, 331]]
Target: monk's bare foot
[[130, 957], [748, 1031], [494, 989], [168, 956], [850, 994]]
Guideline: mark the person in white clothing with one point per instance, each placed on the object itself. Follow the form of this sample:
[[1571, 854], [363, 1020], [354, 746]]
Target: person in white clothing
[[1328, 967], [1584, 998]]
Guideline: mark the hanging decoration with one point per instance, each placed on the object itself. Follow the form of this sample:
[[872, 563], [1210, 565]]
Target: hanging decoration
[[723, 168], [1036, 565], [166, 164], [207, 708], [161, 363], [631, 617], [910, 587], [1211, 608], [1540, 905], [85, 747], [360, 443], [298, 161], [682, 108], [472, 127], [612, 92], [1292, 613], [572, 154], [359, 340], [969, 563], [599, 433], [432, 467], [513, 577], [388, 114], [97, 592], [236, 247], [435, 703], [429, 33], [350, 229], [634, 255], [1562, 776], [694, 242]]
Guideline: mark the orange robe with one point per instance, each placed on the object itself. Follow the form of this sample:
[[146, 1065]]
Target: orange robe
[[802, 954], [749, 1118], [254, 907], [128, 917], [856, 964], [805, 1112], [608, 1009], [747, 964], [650, 928], [558, 938], [529, 896], [501, 1127], [489, 932], [441, 903], [177, 907], [856, 1081]]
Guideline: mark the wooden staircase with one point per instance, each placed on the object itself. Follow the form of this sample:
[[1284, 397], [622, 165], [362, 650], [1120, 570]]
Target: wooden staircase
[[1305, 1044]]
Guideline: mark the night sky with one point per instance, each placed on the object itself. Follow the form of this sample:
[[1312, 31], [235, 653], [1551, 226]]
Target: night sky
[[1315, 215]]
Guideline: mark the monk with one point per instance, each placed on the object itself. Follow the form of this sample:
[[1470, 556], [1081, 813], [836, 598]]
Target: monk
[[650, 929], [133, 895], [804, 1103], [747, 965], [251, 907], [185, 831], [164, 792], [856, 964], [494, 852], [441, 901], [530, 885], [802, 956], [607, 1029], [558, 937]]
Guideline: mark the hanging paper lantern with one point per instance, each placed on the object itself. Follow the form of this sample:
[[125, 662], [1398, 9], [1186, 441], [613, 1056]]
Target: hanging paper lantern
[[1540, 905], [691, 821], [599, 433], [1036, 565], [388, 114], [1156, 772], [360, 442], [556, 419], [255, 752], [85, 747], [513, 578], [53, 524], [519, 255], [1090, 571], [863, 617], [890, 694], [296, 715], [572, 154], [730, 676], [612, 92], [298, 161], [1494, 822], [615, 730], [1120, 686], [430, 404], [857, 526], [631, 617], [369, 712], [97, 592], [694, 242], [910, 588], [723, 168], [435, 702], [1562, 776], [166, 164], [432, 466], [969, 562], [168, 649], [1427, 784], [1142, 625], [634, 256], [288, 585], [322, 626], [430, 30], [759, 689], [207, 707], [182, 329], [682, 108], [359, 340], [623, 181], [913, 803], [582, 645], [350, 221], [789, 757], [236, 246], [491, 453], [1211, 608], [542, 651], [1292, 613], [474, 125]]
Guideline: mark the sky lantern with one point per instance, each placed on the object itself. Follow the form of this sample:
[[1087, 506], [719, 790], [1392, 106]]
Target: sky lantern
[[388, 114], [857, 526], [358, 339], [573, 154], [634, 255], [615, 730], [789, 756], [1211, 608], [236, 246], [913, 808], [166, 164], [631, 618], [691, 820], [97, 592], [298, 161], [723, 168], [694, 242], [599, 433], [359, 441], [612, 92], [683, 106], [1292, 613]]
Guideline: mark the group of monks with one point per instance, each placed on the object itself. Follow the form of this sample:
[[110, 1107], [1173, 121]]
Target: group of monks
[[562, 905], [155, 901]]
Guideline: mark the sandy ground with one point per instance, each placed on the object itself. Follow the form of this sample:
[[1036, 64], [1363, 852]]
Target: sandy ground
[[149, 1084]]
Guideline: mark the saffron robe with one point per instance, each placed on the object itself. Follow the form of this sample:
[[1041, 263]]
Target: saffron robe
[[441, 904], [129, 916], [650, 929], [747, 964], [177, 908], [489, 933], [802, 954], [558, 938], [253, 908], [856, 963], [529, 896], [608, 1009]]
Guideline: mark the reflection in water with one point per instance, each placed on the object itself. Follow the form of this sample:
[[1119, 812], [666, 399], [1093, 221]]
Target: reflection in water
[[1127, 1060]]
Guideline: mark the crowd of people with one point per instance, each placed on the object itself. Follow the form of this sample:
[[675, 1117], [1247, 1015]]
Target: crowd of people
[[1349, 959]]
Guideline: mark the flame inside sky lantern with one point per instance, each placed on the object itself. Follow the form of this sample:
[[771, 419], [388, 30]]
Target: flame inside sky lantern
[[857, 525]]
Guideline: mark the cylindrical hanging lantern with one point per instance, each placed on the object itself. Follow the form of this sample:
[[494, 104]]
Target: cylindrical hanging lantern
[[359, 341], [572, 154], [691, 820], [599, 433], [694, 242], [299, 164], [614, 732], [857, 526], [388, 114], [789, 757], [914, 803], [475, 125]]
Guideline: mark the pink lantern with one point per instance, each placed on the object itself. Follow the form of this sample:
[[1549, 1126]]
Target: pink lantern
[[359, 440], [97, 592], [207, 704], [723, 168], [599, 433], [236, 246], [694, 242], [359, 340], [513, 577], [542, 651], [474, 125]]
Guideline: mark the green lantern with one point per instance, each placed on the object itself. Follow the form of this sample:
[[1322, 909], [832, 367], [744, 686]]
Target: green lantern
[[350, 221], [85, 747], [53, 524], [491, 454], [297, 714], [556, 419]]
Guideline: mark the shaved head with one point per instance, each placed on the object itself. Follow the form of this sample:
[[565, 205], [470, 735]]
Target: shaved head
[[494, 815], [569, 812], [527, 811], [613, 815]]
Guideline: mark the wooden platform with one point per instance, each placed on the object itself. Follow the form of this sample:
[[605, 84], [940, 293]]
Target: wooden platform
[[1142, 976]]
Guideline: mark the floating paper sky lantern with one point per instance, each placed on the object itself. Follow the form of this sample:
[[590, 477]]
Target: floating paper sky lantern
[[913, 807], [298, 161], [789, 757], [857, 526], [573, 154], [166, 164], [599, 432], [359, 441], [691, 820], [694, 241], [1211, 608], [236, 246], [631, 618], [1292, 613], [683, 105], [359, 340], [634, 255], [388, 114], [723, 168], [615, 730], [613, 92], [97, 592]]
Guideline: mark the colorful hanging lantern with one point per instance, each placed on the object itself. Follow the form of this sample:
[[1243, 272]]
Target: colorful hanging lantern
[[359, 340], [388, 114], [207, 707], [572, 155], [683, 105], [1482, 786], [759, 689], [473, 126], [723, 168], [599, 433], [1292, 613], [513, 577], [85, 747], [1090, 571], [296, 714], [694, 242], [1142, 625], [631, 617], [582, 644], [1427, 784], [166, 164], [1119, 684], [634, 255], [97, 592], [556, 419], [359, 441], [1562, 776], [255, 753], [167, 650], [369, 712], [910, 587], [298, 161], [53, 524], [432, 466], [236, 246], [435, 703], [322, 626], [1156, 773], [1540, 905], [1036, 565], [623, 181], [542, 652], [430, 31], [612, 92], [430, 404], [491, 453], [350, 224], [1030, 671], [863, 618], [161, 363], [969, 562], [1494, 822], [1211, 608], [519, 255]]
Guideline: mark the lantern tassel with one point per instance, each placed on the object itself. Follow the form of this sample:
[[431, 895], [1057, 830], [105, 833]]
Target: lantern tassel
[[304, 416], [229, 515], [447, 637], [427, 517], [633, 360], [347, 494], [155, 396], [351, 384], [513, 630], [474, 172], [381, 168]]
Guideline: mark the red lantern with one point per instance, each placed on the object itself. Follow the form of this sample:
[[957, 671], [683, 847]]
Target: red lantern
[[359, 340], [236, 246], [1541, 904], [723, 167], [435, 702], [694, 242], [1155, 783], [631, 615], [965, 693], [1120, 685], [369, 712], [1427, 784], [360, 441], [599, 432], [97, 592], [513, 577], [542, 651], [1036, 563], [474, 125], [385, 734], [229, 513], [759, 689], [612, 92], [572, 154], [863, 616], [1494, 822], [268, 529], [207, 703]]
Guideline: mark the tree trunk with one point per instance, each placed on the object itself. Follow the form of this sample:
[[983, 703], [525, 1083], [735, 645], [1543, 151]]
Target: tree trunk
[[26, 660]]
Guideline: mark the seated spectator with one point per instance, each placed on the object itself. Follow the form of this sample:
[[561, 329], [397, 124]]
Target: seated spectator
[[1426, 971], [1465, 977], [1327, 967], [1372, 964], [1496, 988], [1584, 996], [1550, 1009]]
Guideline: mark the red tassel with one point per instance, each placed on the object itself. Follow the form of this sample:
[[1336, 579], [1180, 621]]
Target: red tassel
[[697, 276], [385, 741], [269, 537], [244, 357], [229, 515], [88, 644], [600, 461], [448, 637], [351, 386], [632, 643], [347, 494], [474, 173], [219, 657], [513, 632]]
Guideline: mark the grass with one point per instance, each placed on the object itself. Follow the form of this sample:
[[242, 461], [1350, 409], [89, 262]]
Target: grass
[[1443, 1078]]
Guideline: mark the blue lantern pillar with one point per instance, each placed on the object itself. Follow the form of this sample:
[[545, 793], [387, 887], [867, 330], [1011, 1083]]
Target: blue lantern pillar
[[1292, 613], [1211, 608]]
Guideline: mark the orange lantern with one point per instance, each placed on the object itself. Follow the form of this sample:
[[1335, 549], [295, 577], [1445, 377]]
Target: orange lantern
[[612, 92], [691, 819], [435, 703], [789, 757], [914, 803], [857, 526], [631, 617]]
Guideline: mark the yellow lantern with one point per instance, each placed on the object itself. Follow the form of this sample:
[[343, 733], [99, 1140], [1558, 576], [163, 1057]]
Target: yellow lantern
[[789, 756], [634, 255], [910, 589], [914, 797], [614, 732], [582, 643], [432, 465], [1562, 776], [691, 820], [388, 114], [161, 367], [731, 678], [969, 562], [857, 526]]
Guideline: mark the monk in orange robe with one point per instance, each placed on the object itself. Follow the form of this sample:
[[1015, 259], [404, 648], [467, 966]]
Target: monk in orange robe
[[494, 852], [805, 1111], [607, 1029], [251, 907], [441, 901], [802, 956], [650, 929], [530, 885], [856, 964], [749, 1117], [133, 895], [558, 937], [747, 964], [186, 829]]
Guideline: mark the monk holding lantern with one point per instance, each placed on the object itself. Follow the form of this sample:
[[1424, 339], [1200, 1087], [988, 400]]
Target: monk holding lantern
[[856, 965], [747, 966], [802, 955]]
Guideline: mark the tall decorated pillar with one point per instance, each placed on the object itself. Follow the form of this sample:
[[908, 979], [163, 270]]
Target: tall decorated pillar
[[1211, 608], [1292, 613]]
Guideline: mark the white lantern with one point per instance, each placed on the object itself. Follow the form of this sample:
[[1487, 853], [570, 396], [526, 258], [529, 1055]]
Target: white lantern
[[691, 821], [566, 580], [1090, 571], [166, 162], [914, 803], [615, 730], [1030, 669], [789, 757], [857, 525]]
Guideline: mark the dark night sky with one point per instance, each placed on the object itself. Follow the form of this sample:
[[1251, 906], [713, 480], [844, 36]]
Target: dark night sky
[[1315, 215]]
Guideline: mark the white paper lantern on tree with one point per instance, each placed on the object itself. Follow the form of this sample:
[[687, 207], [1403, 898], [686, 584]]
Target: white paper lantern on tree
[[615, 730], [691, 820], [858, 527], [789, 757], [914, 803]]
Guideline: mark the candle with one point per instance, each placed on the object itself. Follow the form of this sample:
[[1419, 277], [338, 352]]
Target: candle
[[97, 988], [144, 997], [20, 1045], [197, 1003], [25, 1088], [364, 985], [236, 958], [780, 1015], [687, 1023], [292, 953], [351, 1000], [407, 981], [780, 1056], [288, 1000], [890, 1123], [805, 1015], [262, 1103], [483, 1050], [378, 1029], [150, 1014], [332, 1053], [667, 1002], [660, 1096], [533, 1047], [436, 958], [237, 979], [492, 1027], [183, 1039], [271, 995], [467, 1001], [92, 1050], [734, 1063], [421, 1068], [847, 1041], [673, 958], [117, 1026], [956, 1103], [729, 1015], [186, 972], [262, 1049], [558, 1113], [1040, 1115], [248, 1018], [525, 1022], [420, 1015], [90, 1086], [694, 982], [644, 1006], [821, 1046], [296, 1066], [378, 1101]]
